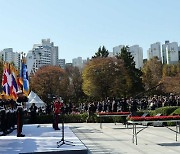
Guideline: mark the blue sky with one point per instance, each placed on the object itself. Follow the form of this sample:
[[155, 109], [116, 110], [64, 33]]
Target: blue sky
[[79, 27]]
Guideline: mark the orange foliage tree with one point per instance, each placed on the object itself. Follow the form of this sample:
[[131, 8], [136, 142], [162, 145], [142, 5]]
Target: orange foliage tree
[[50, 81]]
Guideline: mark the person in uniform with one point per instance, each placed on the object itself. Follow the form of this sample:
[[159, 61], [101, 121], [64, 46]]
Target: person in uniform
[[3, 115], [20, 113], [57, 110]]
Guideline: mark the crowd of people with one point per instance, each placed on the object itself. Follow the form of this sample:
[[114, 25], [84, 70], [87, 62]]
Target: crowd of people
[[131, 104], [11, 112]]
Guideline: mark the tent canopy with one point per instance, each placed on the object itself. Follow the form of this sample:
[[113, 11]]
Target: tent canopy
[[34, 98]]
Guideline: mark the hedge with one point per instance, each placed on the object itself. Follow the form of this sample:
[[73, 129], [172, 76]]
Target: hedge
[[176, 112], [165, 110]]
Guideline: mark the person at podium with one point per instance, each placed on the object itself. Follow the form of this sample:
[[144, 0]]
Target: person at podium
[[58, 105]]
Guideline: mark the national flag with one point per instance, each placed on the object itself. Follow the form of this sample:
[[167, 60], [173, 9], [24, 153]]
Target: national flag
[[6, 80], [25, 78], [14, 87], [9, 81]]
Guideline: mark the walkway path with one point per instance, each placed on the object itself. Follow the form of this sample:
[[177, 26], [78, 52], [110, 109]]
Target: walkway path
[[116, 139]]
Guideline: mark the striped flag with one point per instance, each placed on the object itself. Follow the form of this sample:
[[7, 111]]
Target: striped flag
[[9, 81], [6, 80], [12, 83], [14, 87]]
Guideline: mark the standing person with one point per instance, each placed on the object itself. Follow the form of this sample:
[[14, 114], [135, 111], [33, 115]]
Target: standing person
[[124, 108], [133, 107], [57, 110], [91, 113], [20, 112], [114, 106], [20, 115], [3, 125], [3, 120], [33, 110]]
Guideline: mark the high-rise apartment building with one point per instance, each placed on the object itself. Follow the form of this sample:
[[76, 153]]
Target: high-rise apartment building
[[42, 54], [137, 53], [61, 63], [111, 54], [163, 53], [170, 53], [9, 56], [77, 62], [155, 51], [117, 49]]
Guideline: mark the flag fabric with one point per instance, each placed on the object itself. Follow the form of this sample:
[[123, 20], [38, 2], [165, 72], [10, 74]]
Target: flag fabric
[[6, 80], [25, 78], [12, 82], [14, 87], [9, 82]]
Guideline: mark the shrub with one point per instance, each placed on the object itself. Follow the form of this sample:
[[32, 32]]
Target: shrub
[[74, 118], [165, 110], [176, 112], [44, 119]]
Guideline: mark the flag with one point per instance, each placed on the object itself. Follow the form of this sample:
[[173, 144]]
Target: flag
[[14, 87], [6, 80], [9, 82], [12, 83], [25, 79]]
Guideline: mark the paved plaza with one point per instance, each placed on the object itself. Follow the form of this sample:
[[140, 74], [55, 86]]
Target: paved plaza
[[41, 139], [116, 139]]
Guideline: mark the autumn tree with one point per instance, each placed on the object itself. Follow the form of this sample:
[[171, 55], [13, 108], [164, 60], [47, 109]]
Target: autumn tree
[[171, 78], [104, 77], [75, 91], [102, 52], [152, 73], [49, 81], [171, 69], [171, 84]]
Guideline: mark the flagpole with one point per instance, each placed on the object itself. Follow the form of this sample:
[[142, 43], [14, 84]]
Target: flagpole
[[22, 61]]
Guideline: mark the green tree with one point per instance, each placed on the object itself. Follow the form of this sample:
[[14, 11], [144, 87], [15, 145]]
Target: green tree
[[134, 74], [102, 52]]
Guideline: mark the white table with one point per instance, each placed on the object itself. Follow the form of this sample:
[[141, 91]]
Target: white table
[[135, 132]]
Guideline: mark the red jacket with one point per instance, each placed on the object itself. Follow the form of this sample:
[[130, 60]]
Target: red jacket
[[57, 107]]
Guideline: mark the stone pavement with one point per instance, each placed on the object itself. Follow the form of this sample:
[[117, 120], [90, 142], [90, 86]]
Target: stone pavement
[[116, 139]]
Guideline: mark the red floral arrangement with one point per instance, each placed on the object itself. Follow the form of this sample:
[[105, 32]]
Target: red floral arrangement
[[154, 118], [113, 113]]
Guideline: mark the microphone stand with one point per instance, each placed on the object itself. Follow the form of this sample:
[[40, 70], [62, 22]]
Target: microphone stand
[[62, 141]]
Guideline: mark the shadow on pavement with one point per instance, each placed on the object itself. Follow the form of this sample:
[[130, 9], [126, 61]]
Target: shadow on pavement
[[169, 144]]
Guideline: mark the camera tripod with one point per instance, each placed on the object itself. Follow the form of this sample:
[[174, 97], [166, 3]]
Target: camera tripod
[[62, 141]]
